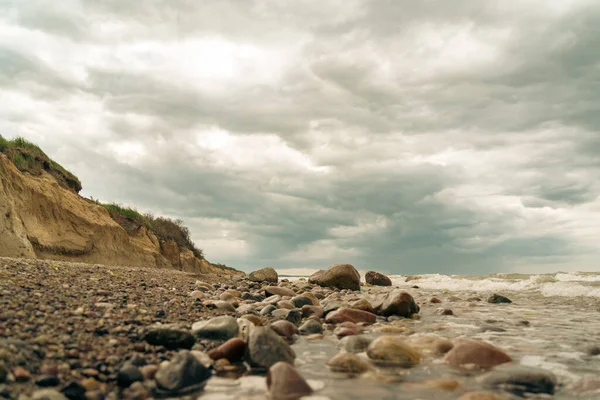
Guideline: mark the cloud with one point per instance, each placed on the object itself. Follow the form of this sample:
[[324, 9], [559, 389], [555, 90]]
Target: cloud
[[401, 136]]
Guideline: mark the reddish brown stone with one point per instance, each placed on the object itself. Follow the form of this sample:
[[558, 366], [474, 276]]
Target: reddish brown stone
[[476, 352], [309, 311], [21, 374], [348, 314], [232, 350], [285, 383]]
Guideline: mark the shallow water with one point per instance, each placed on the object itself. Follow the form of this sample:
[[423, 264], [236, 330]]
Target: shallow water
[[562, 326]]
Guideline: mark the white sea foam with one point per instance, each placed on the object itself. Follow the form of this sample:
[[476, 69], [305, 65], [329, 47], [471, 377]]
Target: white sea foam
[[560, 284]]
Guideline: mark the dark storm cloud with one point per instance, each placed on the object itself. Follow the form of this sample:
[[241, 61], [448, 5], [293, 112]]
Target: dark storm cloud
[[406, 136]]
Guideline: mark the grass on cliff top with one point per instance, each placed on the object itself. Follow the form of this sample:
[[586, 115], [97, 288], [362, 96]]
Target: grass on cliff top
[[28, 157], [164, 228]]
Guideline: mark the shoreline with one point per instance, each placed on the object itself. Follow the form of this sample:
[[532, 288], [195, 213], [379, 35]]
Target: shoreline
[[82, 323]]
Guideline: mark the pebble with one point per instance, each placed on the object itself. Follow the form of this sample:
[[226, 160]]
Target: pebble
[[47, 394], [520, 380], [74, 391], [300, 301], [182, 372], [149, 371], [128, 374], [232, 350], [355, 344], [350, 315], [476, 352], [285, 383], [496, 298], [267, 310], [394, 351], [279, 291], [310, 311], [294, 316], [364, 305], [481, 395], [170, 336], [265, 348], [348, 363], [217, 328], [311, 326], [21, 374], [47, 381], [285, 329], [398, 302], [444, 311]]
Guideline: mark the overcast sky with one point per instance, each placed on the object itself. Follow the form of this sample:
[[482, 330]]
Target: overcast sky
[[404, 136]]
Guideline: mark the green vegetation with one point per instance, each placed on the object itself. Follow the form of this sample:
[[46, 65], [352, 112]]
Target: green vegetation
[[164, 228], [28, 157]]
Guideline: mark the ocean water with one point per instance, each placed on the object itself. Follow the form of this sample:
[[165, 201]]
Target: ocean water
[[552, 323]]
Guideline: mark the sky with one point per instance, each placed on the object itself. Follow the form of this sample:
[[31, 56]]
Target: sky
[[402, 136]]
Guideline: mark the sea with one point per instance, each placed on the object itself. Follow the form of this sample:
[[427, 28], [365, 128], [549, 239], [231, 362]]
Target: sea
[[553, 323]]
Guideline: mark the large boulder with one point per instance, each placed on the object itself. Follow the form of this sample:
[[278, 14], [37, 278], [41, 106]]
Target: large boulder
[[264, 275], [398, 303], [377, 279], [341, 276]]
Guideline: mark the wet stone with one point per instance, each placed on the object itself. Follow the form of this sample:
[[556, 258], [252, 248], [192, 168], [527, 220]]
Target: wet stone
[[393, 350], [265, 348], [399, 303], [170, 336], [267, 310], [182, 374], [348, 363], [47, 394], [128, 374], [232, 350], [311, 326], [475, 352], [520, 380], [497, 299], [355, 344], [47, 381], [285, 383], [218, 328], [294, 316]]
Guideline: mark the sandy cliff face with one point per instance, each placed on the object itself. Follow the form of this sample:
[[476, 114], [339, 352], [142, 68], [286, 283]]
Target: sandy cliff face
[[41, 219]]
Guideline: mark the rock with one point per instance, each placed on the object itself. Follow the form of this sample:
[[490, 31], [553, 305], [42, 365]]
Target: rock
[[279, 291], [364, 305], [300, 301], [3, 373], [435, 300], [398, 302], [281, 313], [285, 329], [255, 319], [476, 352], [266, 348], [267, 310], [149, 371], [294, 316], [182, 373], [377, 279], [520, 380], [74, 391], [223, 305], [355, 344], [244, 328], [233, 350], [341, 276], [393, 350], [203, 286], [128, 374], [586, 386], [286, 304], [496, 298], [348, 363], [311, 326], [444, 311], [592, 351], [273, 299], [309, 311], [170, 336], [344, 331], [331, 305], [285, 383], [21, 374], [315, 300], [47, 394], [264, 275], [47, 381], [481, 395], [348, 314], [217, 328]]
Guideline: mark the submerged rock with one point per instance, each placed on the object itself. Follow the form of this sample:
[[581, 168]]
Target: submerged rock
[[393, 350], [264, 275], [348, 363], [475, 352], [341, 276], [311, 326], [266, 348], [377, 279], [285, 383], [520, 380], [481, 395], [355, 344], [496, 298]]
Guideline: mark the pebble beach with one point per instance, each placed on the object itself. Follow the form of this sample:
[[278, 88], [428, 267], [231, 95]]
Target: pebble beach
[[81, 331]]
